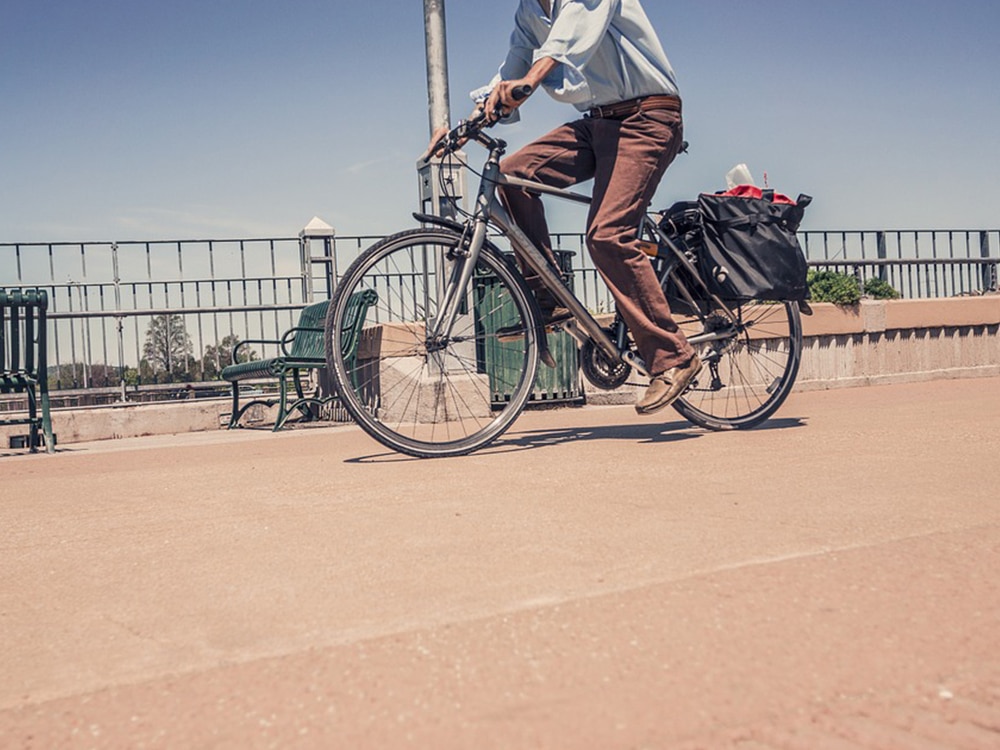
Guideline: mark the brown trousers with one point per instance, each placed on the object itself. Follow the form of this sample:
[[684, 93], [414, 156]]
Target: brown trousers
[[626, 158]]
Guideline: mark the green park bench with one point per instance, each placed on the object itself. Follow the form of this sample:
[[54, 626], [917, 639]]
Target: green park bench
[[22, 360], [302, 349]]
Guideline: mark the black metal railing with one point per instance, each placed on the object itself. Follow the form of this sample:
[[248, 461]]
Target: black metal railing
[[110, 301], [918, 264]]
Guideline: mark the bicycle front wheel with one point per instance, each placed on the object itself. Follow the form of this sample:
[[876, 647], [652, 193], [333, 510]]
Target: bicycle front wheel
[[750, 370], [420, 394]]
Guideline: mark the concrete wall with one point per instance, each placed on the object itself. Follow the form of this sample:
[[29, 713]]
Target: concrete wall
[[875, 342], [84, 424], [899, 341]]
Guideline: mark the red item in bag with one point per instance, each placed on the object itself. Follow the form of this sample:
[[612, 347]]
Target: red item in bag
[[752, 191]]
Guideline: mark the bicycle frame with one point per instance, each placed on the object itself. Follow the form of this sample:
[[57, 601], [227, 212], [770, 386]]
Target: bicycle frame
[[582, 326]]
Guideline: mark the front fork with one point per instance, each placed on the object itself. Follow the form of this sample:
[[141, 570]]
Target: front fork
[[458, 269]]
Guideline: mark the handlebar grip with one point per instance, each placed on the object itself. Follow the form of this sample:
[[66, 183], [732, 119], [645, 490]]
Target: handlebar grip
[[521, 92]]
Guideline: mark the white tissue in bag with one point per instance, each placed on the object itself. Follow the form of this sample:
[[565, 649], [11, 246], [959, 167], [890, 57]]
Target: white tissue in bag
[[738, 175]]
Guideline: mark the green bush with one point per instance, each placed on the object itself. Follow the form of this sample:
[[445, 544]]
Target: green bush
[[880, 289], [831, 286]]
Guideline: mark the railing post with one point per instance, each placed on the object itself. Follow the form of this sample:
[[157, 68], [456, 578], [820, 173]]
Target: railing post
[[882, 253], [989, 269], [317, 229], [119, 321]]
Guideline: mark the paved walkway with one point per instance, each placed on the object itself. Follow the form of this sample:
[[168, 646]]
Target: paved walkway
[[595, 580]]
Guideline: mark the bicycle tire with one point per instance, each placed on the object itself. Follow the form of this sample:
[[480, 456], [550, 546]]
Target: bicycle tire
[[746, 377], [422, 398]]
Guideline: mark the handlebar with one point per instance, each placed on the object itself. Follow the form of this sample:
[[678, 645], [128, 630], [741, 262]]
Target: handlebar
[[468, 130], [520, 93]]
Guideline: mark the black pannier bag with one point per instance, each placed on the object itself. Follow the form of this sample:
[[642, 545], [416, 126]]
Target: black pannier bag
[[749, 248]]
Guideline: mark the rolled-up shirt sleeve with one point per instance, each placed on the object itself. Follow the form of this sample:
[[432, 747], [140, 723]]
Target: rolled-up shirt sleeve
[[520, 56], [577, 31]]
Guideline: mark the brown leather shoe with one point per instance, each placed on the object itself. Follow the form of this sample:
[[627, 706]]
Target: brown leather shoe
[[664, 389]]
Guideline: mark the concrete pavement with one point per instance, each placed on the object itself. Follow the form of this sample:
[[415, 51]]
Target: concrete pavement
[[594, 580]]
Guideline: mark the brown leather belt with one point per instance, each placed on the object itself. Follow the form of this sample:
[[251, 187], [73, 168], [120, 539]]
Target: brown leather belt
[[621, 110]]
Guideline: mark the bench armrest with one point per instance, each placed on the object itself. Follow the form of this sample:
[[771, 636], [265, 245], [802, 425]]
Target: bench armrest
[[253, 341], [290, 334]]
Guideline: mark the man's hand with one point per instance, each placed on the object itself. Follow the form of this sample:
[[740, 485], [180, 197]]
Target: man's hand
[[442, 131], [501, 101], [502, 98], [439, 133]]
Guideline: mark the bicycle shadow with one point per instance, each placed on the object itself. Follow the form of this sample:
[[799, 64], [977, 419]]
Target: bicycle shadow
[[660, 432]]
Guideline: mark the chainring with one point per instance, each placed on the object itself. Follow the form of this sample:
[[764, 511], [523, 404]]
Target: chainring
[[599, 370]]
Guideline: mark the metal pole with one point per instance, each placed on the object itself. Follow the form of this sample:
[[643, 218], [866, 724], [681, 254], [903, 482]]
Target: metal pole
[[440, 184], [438, 107]]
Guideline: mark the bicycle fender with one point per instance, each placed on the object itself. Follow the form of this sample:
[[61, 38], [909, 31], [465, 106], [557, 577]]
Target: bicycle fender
[[438, 221]]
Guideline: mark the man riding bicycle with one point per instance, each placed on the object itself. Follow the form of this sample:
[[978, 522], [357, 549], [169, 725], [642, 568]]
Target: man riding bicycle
[[432, 336], [604, 57]]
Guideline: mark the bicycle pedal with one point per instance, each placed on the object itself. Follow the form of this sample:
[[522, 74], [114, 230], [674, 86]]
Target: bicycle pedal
[[509, 335], [518, 333]]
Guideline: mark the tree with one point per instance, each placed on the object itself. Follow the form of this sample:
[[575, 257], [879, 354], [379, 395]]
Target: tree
[[168, 348], [220, 356], [131, 377]]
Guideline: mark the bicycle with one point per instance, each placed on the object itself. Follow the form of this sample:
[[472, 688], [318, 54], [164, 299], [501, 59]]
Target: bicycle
[[425, 379]]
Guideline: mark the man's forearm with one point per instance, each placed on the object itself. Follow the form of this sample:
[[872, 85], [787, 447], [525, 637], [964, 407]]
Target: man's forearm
[[539, 71]]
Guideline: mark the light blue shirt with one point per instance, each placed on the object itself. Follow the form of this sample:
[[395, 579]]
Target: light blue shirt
[[607, 50]]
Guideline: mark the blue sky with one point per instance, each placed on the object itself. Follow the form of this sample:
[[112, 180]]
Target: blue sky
[[128, 119]]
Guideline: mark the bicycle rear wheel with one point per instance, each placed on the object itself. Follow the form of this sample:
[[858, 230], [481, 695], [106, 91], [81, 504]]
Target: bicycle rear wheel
[[424, 397], [748, 374]]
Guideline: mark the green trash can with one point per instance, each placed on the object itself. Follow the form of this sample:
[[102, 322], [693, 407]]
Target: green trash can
[[501, 361]]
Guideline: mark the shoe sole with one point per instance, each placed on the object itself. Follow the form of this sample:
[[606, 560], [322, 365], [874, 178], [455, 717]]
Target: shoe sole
[[549, 327]]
